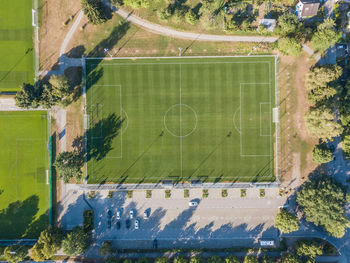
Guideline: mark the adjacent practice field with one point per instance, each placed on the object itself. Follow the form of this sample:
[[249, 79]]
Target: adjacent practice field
[[16, 44], [181, 119], [24, 184]]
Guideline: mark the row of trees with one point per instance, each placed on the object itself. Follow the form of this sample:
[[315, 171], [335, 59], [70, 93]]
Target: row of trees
[[75, 242], [57, 91]]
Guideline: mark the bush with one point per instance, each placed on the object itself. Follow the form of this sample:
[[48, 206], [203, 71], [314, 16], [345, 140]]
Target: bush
[[268, 259], [180, 259], [137, 3], [196, 259], [224, 193], [250, 259], [167, 193], [92, 194], [243, 192], [106, 249], [148, 193], [286, 222], [231, 259], [110, 194], [186, 193], [205, 193], [289, 46], [88, 224], [262, 192], [68, 165], [191, 17], [129, 194], [322, 154], [161, 260], [15, 253], [214, 259]]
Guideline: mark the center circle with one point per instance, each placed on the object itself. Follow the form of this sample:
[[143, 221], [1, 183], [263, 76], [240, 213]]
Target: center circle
[[180, 120]]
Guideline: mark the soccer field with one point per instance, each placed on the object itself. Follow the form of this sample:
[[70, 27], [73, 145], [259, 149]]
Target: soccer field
[[180, 119], [24, 162], [16, 44]]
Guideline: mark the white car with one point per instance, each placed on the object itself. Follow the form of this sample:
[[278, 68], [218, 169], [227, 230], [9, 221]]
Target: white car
[[137, 224], [117, 216], [193, 203], [131, 214], [145, 215]]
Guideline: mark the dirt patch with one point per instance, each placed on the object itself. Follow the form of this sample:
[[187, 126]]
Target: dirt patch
[[54, 14]]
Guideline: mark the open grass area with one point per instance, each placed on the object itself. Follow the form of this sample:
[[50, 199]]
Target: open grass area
[[24, 161], [181, 119], [16, 44]]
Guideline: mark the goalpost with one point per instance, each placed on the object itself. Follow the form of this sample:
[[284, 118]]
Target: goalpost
[[34, 18]]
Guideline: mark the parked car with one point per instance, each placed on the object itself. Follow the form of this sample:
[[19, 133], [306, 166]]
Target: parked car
[[131, 214], [127, 223], [193, 203], [109, 224], [109, 213], [118, 225], [118, 214], [145, 215], [137, 224]]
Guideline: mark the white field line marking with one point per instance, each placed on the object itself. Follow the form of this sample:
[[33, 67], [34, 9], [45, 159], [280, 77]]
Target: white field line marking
[[261, 134], [47, 177], [184, 63], [177, 57], [180, 123], [240, 135], [234, 122]]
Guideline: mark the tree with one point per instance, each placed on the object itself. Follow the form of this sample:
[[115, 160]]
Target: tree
[[106, 249], [68, 165], [320, 123], [320, 94], [308, 248], [60, 88], [94, 11], [250, 259], [15, 253], [49, 242], [322, 200], [137, 3], [191, 17], [162, 260], [288, 24], [289, 258], [286, 222], [289, 46], [214, 259], [231, 259], [322, 76], [76, 242], [180, 259], [325, 36], [47, 99], [27, 97], [268, 259], [322, 154]]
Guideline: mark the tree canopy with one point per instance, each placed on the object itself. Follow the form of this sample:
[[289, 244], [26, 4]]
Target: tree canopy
[[322, 154], [106, 249], [231, 259], [320, 123], [322, 200], [15, 253], [250, 259], [94, 11], [27, 96], [308, 248], [289, 258], [288, 24], [137, 3], [289, 46], [286, 222], [76, 242], [68, 165], [325, 36], [47, 245]]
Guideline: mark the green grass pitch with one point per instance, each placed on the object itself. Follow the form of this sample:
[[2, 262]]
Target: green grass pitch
[[24, 198], [180, 119], [16, 44]]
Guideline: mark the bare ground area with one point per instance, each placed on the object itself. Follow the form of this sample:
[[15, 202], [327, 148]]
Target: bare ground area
[[53, 28], [296, 142]]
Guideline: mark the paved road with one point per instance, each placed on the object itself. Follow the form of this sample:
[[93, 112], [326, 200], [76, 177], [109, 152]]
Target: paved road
[[166, 31]]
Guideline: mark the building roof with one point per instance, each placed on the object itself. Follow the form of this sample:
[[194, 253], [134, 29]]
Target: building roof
[[310, 8]]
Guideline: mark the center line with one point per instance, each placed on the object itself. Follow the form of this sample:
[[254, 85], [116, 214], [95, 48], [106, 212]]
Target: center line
[[180, 125]]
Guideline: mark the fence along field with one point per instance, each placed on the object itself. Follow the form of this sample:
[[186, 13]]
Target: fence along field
[[180, 119]]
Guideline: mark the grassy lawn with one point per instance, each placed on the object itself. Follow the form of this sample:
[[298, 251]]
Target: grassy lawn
[[16, 44], [24, 198], [181, 119]]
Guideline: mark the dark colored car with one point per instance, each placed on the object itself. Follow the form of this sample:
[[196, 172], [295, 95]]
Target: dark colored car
[[109, 224], [127, 223], [118, 225]]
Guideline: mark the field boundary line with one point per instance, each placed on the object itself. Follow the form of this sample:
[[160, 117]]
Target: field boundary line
[[85, 113], [184, 63], [177, 57], [180, 76], [262, 103]]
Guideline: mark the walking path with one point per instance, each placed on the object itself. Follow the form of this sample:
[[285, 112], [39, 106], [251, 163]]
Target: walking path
[[166, 31]]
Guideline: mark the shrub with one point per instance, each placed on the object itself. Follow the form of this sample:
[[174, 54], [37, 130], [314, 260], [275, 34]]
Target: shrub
[[205, 193], [268, 259], [167, 193], [286, 222], [92, 194], [186, 193], [161, 260], [191, 17], [180, 259], [196, 259], [88, 224], [68, 165], [106, 249], [243, 192], [214, 259], [250, 259], [15, 253], [231, 259], [129, 194], [224, 193], [322, 154], [289, 46], [137, 3], [110, 194], [148, 193], [262, 192], [76, 242]]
